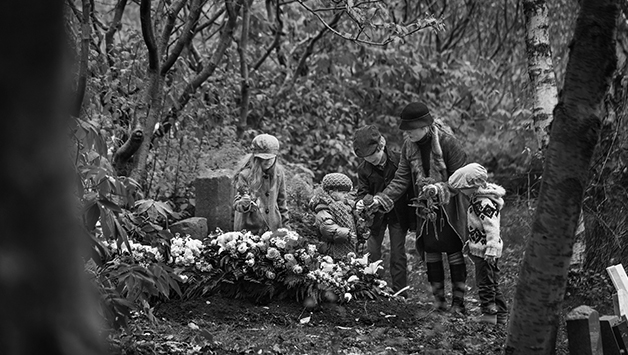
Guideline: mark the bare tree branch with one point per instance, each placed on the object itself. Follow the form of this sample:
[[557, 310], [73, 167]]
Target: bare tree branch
[[85, 41], [278, 31], [114, 26], [173, 13], [186, 36], [396, 31], [244, 68], [149, 35]]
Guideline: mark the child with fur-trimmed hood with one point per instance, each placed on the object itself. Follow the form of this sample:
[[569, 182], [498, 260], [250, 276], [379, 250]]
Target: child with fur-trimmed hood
[[484, 240], [335, 218]]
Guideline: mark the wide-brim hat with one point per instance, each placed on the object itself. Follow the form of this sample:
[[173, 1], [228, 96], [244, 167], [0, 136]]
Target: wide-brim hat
[[415, 115], [265, 146]]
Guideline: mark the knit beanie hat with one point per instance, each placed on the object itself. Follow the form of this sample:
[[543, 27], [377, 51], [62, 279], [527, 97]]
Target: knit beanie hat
[[415, 115], [337, 182], [469, 176]]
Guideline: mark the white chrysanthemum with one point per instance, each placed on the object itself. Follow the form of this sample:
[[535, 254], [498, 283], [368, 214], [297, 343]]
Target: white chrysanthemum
[[266, 236], [280, 243], [297, 269], [273, 253]]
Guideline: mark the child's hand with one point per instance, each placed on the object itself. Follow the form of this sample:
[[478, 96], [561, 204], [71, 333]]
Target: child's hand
[[491, 260], [245, 201]]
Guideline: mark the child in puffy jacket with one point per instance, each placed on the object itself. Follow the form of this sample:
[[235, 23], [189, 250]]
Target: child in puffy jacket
[[335, 216], [484, 240]]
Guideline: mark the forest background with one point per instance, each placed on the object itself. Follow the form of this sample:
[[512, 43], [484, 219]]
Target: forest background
[[171, 88]]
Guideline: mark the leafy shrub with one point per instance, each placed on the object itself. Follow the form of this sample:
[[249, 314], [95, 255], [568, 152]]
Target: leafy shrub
[[132, 280]]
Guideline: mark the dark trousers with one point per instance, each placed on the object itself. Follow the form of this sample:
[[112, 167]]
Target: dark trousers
[[487, 282], [398, 258]]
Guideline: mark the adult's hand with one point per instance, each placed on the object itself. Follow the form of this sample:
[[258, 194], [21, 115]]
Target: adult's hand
[[359, 207]]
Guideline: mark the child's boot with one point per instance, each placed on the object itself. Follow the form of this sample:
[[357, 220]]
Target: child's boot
[[458, 286], [436, 278], [502, 318], [487, 318]]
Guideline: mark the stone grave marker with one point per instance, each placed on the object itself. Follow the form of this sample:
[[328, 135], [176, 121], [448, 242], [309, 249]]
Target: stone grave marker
[[621, 333], [214, 198], [583, 331], [620, 281], [609, 340], [195, 227]]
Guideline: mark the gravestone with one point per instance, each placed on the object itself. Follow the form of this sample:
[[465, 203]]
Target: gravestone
[[609, 340], [214, 198], [195, 227], [583, 331], [620, 281], [621, 333]]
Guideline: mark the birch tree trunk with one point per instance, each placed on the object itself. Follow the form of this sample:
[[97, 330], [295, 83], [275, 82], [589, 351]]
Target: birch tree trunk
[[540, 69], [46, 306], [574, 135]]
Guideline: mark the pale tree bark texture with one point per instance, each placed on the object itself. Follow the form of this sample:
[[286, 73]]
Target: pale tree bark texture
[[574, 135], [46, 305], [540, 69]]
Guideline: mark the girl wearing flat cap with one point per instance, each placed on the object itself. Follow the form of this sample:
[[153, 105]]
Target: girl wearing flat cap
[[429, 155], [260, 189]]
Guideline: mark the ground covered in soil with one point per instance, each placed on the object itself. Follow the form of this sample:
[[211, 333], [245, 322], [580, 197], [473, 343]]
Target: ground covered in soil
[[219, 325]]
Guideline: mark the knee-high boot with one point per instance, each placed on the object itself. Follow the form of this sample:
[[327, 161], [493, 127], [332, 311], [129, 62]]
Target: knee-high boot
[[458, 285], [436, 278]]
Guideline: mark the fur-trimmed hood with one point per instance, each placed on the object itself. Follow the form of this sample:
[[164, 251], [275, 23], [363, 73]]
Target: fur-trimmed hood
[[493, 192]]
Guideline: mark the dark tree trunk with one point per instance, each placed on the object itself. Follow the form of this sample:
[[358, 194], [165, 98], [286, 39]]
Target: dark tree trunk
[[47, 307], [574, 135], [606, 236]]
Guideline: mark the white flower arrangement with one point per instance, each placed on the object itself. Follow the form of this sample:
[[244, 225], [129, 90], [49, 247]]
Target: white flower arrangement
[[140, 252], [185, 250]]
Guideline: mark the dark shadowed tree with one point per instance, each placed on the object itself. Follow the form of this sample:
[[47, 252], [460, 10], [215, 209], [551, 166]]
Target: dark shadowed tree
[[574, 135], [46, 305]]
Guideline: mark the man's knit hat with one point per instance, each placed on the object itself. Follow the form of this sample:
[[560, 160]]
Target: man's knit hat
[[366, 140], [415, 115], [469, 176], [337, 182]]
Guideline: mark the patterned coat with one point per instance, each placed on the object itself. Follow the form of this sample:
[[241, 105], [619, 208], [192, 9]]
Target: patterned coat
[[335, 221], [483, 219], [271, 212]]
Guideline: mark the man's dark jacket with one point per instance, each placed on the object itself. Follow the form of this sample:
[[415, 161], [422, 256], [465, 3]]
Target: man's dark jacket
[[372, 180]]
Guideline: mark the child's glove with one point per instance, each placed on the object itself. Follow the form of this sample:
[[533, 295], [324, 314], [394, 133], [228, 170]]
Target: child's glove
[[438, 192]]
